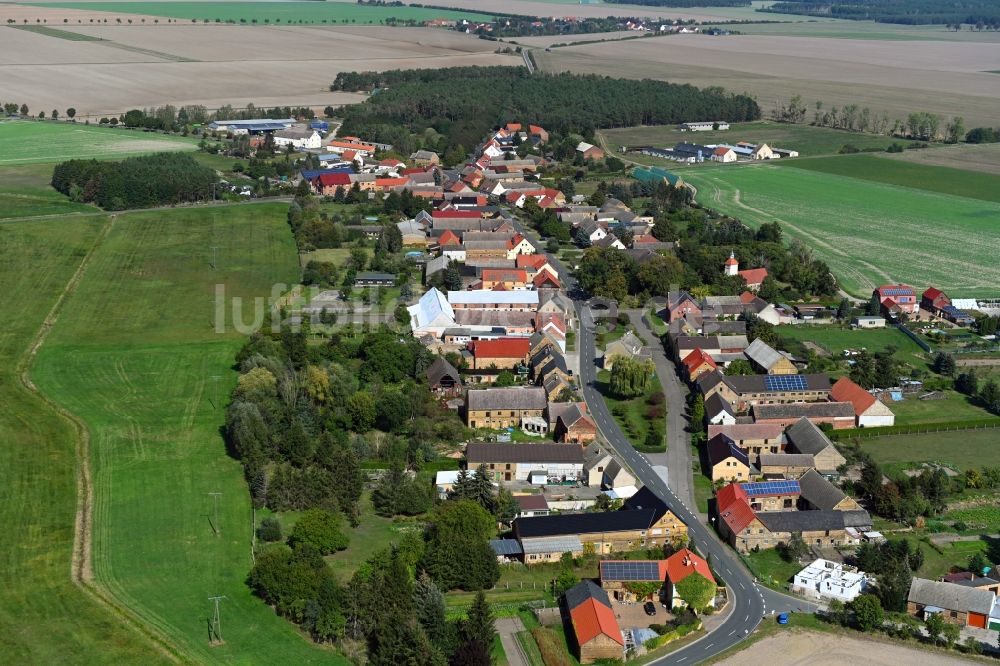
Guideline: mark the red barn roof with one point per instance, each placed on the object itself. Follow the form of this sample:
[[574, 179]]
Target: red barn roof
[[449, 238], [545, 277], [505, 274], [729, 494], [501, 348], [698, 358], [333, 179], [847, 391], [591, 618]]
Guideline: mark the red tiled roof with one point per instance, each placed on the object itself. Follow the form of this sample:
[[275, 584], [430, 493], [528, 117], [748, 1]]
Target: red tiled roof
[[729, 494], [847, 391], [931, 293], [738, 515], [542, 277], [546, 318], [501, 348], [391, 182], [591, 619], [352, 145], [535, 261], [334, 179], [535, 129], [389, 162], [731, 262], [722, 150], [744, 431], [644, 238], [683, 563], [407, 172], [747, 297], [698, 358], [513, 127], [753, 275], [349, 155], [504, 274], [449, 238]]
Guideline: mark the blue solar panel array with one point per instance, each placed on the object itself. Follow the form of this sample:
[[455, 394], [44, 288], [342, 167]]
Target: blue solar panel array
[[897, 292], [771, 488], [633, 570], [785, 382]]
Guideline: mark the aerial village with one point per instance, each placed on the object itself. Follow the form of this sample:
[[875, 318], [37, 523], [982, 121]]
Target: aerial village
[[517, 346]]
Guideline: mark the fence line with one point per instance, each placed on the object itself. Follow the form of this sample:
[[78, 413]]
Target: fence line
[[913, 336], [874, 433]]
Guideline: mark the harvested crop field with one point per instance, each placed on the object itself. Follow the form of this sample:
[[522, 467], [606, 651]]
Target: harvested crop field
[[150, 65], [941, 77], [983, 157], [559, 8], [309, 11], [807, 648]]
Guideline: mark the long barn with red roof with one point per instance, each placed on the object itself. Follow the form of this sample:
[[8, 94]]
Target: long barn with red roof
[[598, 635]]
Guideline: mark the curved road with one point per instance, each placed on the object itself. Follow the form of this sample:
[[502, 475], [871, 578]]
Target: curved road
[[750, 602]]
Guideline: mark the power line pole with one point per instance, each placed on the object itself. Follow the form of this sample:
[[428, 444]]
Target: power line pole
[[215, 520], [215, 262], [215, 630]]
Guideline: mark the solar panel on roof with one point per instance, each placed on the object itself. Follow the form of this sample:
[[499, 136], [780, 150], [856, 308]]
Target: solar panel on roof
[[781, 487], [785, 382], [637, 570]]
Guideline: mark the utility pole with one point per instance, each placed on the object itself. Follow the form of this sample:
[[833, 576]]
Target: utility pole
[[215, 520], [215, 391], [215, 262], [215, 629]]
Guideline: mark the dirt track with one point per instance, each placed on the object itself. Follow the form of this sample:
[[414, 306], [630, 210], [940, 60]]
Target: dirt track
[[804, 648]]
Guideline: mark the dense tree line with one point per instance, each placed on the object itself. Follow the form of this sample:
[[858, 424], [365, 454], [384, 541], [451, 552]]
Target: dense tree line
[[394, 603], [302, 416], [978, 13], [983, 135], [464, 103], [136, 182]]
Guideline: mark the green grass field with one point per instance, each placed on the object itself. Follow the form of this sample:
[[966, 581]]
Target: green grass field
[[30, 142], [631, 413], [958, 182], [47, 618], [869, 233], [835, 339], [808, 140], [135, 355], [285, 12], [25, 190], [964, 449]]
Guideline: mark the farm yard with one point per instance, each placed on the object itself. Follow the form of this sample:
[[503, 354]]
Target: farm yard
[[807, 140], [948, 78], [135, 356], [30, 142], [150, 65], [869, 233]]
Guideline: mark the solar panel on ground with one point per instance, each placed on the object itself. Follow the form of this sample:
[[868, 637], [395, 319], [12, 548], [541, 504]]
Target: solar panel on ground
[[631, 570], [785, 382]]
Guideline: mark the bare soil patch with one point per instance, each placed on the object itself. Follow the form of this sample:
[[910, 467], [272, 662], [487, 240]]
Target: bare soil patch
[[272, 65], [939, 77], [805, 648]]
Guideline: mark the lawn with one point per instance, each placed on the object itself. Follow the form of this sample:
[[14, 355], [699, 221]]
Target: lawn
[[46, 617], [965, 449], [703, 491], [835, 339], [136, 356], [952, 407], [631, 413], [284, 12], [771, 568], [945, 180], [25, 190], [371, 535], [869, 233], [30, 141], [806, 139]]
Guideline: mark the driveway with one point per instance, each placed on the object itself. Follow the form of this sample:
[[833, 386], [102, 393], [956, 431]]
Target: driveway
[[678, 456], [507, 627]]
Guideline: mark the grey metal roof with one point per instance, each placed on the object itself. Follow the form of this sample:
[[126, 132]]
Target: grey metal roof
[[818, 491], [806, 437], [950, 596], [558, 544], [804, 410], [506, 547], [581, 592], [762, 354], [787, 460], [799, 521], [512, 452], [716, 404]]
